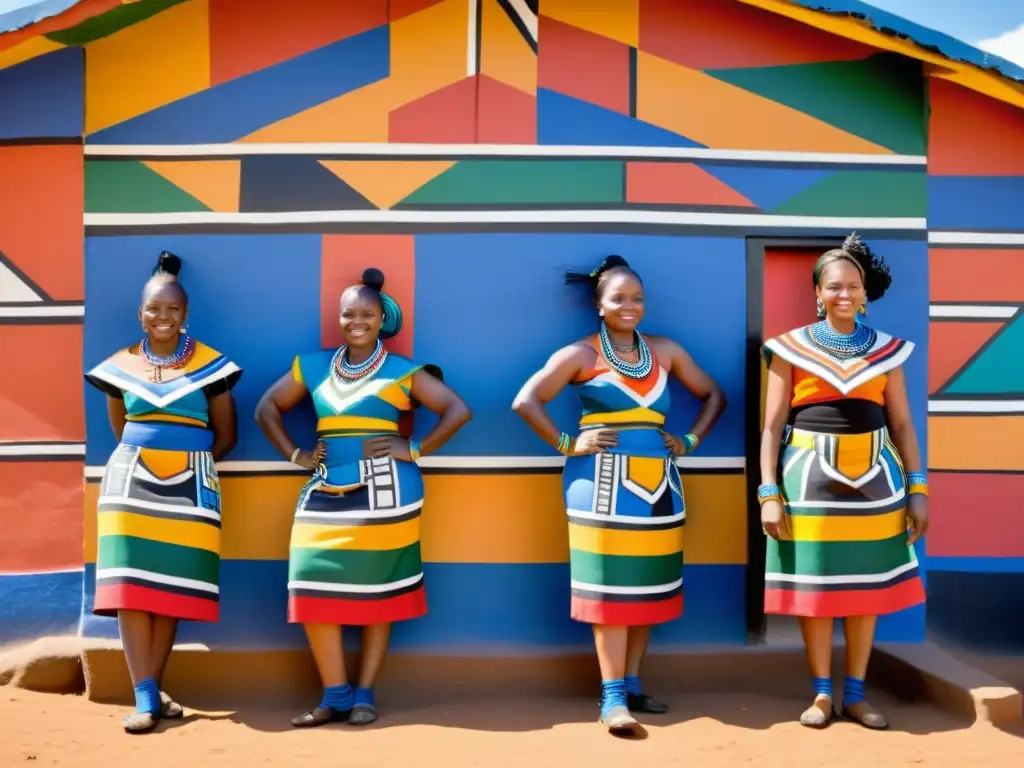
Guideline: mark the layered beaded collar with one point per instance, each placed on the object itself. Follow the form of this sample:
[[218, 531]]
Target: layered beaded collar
[[641, 369]]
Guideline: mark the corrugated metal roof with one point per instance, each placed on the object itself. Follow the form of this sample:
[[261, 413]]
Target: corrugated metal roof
[[18, 14], [929, 39]]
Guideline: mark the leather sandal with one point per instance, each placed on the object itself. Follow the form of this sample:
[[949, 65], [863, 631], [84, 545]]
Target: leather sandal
[[170, 709], [816, 716], [864, 714], [647, 704], [320, 716]]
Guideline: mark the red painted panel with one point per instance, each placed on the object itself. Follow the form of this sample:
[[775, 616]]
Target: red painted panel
[[788, 289], [72, 17], [973, 135], [251, 35], [711, 34], [447, 116], [41, 506], [951, 345], [41, 397], [678, 184], [506, 115], [343, 260], [957, 274], [583, 65], [42, 199], [975, 515]]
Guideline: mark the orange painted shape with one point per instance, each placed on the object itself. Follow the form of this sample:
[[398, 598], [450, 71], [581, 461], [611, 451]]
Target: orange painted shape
[[41, 396], [343, 259], [72, 17], [504, 55], [678, 184], [41, 509], [972, 135], [399, 9], [447, 116], [613, 19], [979, 443], [730, 117], [255, 34], [951, 344], [215, 183], [997, 531], [961, 274], [385, 183], [42, 191], [711, 34]]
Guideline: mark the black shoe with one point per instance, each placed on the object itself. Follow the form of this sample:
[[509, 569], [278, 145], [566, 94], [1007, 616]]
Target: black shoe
[[644, 703], [320, 716]]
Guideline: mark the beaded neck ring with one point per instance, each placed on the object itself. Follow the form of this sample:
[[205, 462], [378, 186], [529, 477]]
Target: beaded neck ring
[[638, 370], [843, 345], [177, 359], [346, 372]]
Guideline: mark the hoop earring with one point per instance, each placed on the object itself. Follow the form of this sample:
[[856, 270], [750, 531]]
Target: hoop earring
[[820, 305]]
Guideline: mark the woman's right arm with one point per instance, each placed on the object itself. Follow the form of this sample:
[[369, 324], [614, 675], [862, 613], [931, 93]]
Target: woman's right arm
[[117, 413], [283, 395], [776, 414], [559, 371]]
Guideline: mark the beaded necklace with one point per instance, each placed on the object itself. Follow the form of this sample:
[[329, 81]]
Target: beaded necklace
[[843, 345], [177, 359], [345, 371], [638, 370]]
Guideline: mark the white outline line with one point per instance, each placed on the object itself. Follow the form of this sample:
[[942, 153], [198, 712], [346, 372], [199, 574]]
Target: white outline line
[[43, 310], [976, 238], [629, 217], [474, 9], [973, 311], [12, 448], [528, 17], [497, 463], [956, 407], [404, 151]]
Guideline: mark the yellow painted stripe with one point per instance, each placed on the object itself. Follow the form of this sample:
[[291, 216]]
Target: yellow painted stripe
[[847, 527], [633, 414], [393, 536], [470, 518], [169, 418], [368, 423], [28, 49], [608, 541], [184, 533]]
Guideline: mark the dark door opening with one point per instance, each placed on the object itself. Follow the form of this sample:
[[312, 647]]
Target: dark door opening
[[780, 297]]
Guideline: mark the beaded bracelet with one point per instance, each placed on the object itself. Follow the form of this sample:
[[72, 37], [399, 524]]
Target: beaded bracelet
[[564, 444], [768, 492], [917, 482], [414, 449], [690, 442]]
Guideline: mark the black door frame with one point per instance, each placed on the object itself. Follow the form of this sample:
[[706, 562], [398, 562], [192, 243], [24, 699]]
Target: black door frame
[[756, 248]]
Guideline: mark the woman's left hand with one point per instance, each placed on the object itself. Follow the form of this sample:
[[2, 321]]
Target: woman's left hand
[[674, 444], [917, 515], [395, 447]]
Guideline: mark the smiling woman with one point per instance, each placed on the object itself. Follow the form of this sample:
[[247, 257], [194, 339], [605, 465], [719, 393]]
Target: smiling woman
[[158, 556], [354, 557]]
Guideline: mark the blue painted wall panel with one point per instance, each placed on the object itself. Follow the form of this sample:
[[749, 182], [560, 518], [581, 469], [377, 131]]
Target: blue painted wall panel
[[973, 203], [39, 604], [44, 98]]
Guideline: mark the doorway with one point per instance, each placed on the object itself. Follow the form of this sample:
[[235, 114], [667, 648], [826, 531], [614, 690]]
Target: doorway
[[779, 298]]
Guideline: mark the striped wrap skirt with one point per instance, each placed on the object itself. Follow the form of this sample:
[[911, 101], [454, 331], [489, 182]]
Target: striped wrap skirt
[[354, 556], [845, 503], [158, 534], [626, 516]]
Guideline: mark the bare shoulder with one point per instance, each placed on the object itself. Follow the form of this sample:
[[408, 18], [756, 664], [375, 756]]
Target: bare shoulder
[[664, 346], [580, 351]]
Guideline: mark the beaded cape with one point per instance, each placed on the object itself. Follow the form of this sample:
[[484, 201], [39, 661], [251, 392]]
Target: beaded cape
[[844, 362]]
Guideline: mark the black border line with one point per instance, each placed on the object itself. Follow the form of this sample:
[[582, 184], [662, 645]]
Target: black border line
[[942, 392], [479, 33], [633, 65], [48, 141], [519, 24], [19, 273]]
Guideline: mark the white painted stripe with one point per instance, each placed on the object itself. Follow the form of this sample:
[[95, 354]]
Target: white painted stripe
[[976, 238], [496, 463], [324, 586], [973, 311], [528, 17], [635, 217], [44, 310], [976, 406], [609, 590], [359, 514], [586, 514], [490, 150], [41, 449], [867, 578], [474, 20], [55, 572], [156, 578], [157, 506]]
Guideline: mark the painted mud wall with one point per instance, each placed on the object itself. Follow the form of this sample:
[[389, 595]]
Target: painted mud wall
[[607, 106]]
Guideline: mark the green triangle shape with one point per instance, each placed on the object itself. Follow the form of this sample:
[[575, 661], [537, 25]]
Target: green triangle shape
[[112, 21], [862, 193], [127, 186], [999, 367], [880, 98], [523, 182]]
